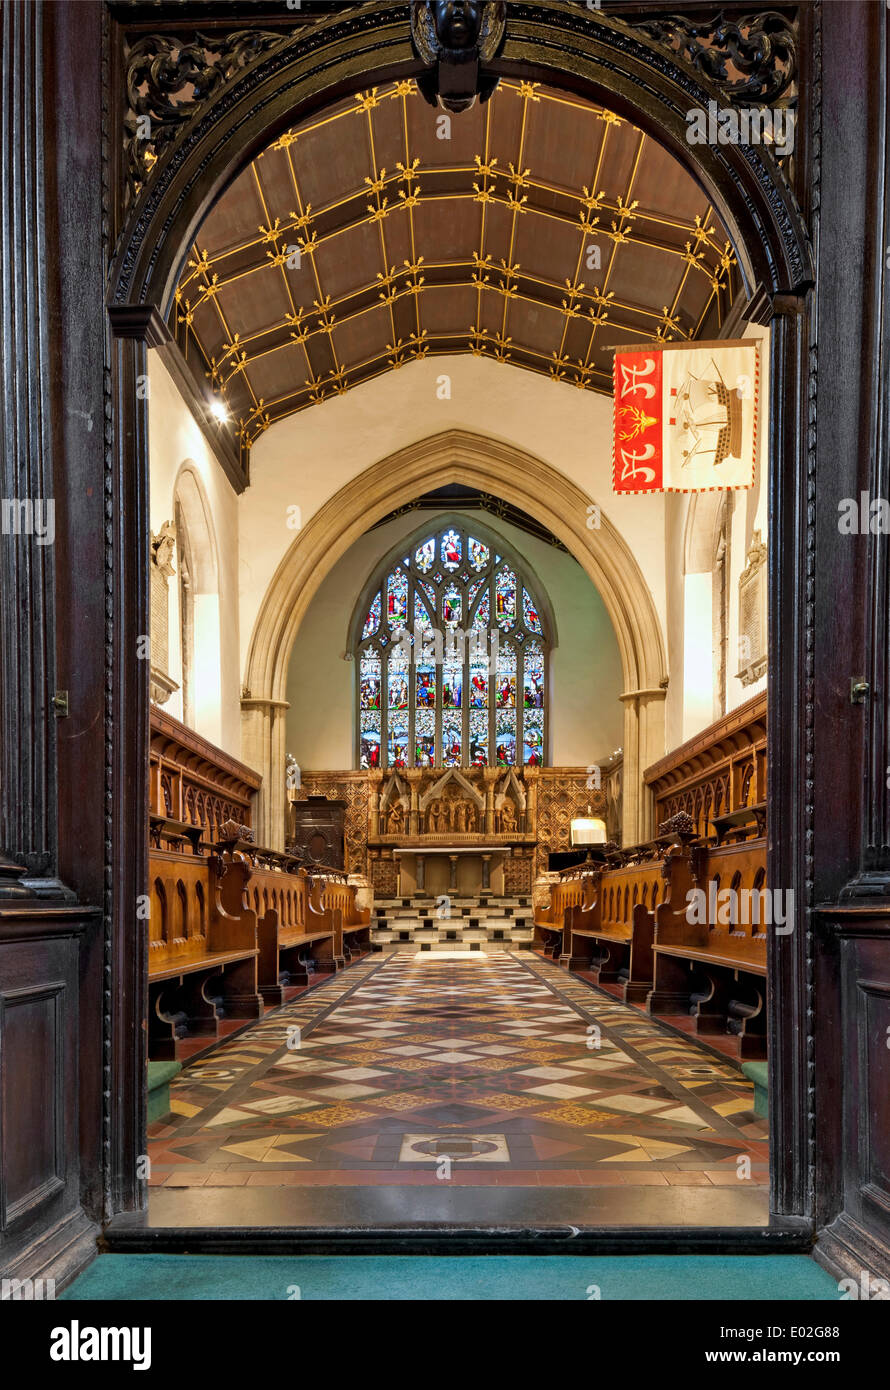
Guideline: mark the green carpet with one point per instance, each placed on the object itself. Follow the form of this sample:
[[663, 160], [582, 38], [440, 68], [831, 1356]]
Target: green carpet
[[453, 1279]]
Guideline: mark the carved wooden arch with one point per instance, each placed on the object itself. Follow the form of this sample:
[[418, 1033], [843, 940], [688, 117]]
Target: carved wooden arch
[[606, 59]]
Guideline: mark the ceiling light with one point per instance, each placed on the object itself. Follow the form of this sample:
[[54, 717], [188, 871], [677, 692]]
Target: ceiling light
[[218, 411]]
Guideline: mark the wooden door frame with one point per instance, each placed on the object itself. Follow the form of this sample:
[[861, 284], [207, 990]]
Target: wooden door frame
[[606, 60]]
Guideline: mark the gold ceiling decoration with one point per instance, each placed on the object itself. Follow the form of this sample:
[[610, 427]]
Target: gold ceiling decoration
[[537, 229]]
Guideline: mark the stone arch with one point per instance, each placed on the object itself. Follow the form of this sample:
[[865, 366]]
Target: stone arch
[[456, 456]]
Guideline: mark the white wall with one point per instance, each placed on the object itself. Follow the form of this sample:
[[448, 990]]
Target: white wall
[[689, 709], [175, 441], [303, 460], [586, 716]]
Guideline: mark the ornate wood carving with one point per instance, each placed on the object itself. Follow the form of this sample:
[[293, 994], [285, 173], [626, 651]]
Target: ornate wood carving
[[192, 781], [168, 79], [753, 60], [455, 40], [721, 770], [578, 41]]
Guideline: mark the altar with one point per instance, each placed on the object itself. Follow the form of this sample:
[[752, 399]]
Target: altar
[[461, 832], [463, 870]]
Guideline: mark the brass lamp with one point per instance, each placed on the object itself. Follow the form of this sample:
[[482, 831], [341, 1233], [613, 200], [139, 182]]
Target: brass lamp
[[587, 831]]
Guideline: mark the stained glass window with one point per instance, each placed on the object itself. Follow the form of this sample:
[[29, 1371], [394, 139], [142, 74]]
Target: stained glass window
[[505, 738], [397, 600], [533, 677], [505, 680], [533, 738], [452, 737], [452, 686], [452, 606], [424, 738], [478, 554], [479, 738], [398, 741], [505, 599], [425, 556], [471, 596], [421, 613], [398, 679], [451, 665], [529, 612], [370, 692], [370, 732], [451, 550], [483, 612], [425, 692], [372, 622]]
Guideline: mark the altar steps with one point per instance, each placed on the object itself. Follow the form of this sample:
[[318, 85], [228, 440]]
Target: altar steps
[[406, 924]]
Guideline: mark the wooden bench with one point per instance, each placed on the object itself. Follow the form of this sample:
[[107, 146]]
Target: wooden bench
[[202, 949], [574, 888], [291, 948], [709, 962], [612, 935], [332, 900]]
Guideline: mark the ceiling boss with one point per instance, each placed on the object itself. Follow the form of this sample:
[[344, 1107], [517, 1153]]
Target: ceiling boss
[[455, 38]]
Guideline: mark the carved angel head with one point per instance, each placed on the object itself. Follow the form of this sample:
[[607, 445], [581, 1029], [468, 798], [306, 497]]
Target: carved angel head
[[449, 34], [458, 23]]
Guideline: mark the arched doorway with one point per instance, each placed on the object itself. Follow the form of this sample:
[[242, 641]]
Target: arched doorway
[[636, 73]]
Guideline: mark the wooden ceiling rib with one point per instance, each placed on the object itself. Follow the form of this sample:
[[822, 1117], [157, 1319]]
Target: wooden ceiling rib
[[362, 239]]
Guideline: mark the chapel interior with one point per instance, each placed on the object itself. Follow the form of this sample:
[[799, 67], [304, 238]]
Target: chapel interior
[[443, 729]]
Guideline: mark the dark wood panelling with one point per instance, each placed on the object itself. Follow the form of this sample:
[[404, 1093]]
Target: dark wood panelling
[[40, 1058], [856, 1077]]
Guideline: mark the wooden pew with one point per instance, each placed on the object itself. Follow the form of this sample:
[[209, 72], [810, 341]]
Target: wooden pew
[[612, 935], [574, 887], [332, 902], [202, 949], [713, 968], [292, 946]]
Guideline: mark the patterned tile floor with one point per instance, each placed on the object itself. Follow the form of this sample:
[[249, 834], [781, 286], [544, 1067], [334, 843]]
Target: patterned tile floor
[[491, 1069]]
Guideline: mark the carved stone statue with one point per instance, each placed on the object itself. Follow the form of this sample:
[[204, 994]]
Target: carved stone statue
[[435, 817], [396, 820], [454, 38], [508, 818]]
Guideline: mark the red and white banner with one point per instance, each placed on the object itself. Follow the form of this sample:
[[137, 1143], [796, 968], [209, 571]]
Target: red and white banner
[[685, 416]]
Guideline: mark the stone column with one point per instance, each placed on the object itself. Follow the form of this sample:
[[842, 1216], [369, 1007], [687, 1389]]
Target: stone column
[[643, 745], [374, 781], [530, 777], [263, 729], [486, 873], [490, 775], [452, 872], [413, 775], [420, 873]]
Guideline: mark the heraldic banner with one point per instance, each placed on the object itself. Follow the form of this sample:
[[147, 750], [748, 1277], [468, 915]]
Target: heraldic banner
[[685, 416]]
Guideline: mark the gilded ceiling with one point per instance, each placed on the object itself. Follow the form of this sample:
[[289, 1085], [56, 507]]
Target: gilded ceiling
[[543, 232]]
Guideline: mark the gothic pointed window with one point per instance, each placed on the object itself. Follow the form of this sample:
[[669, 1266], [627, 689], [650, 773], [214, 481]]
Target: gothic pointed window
[[452, 652]]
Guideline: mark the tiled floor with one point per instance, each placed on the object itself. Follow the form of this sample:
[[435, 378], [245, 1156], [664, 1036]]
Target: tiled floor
[[496, 1069]]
